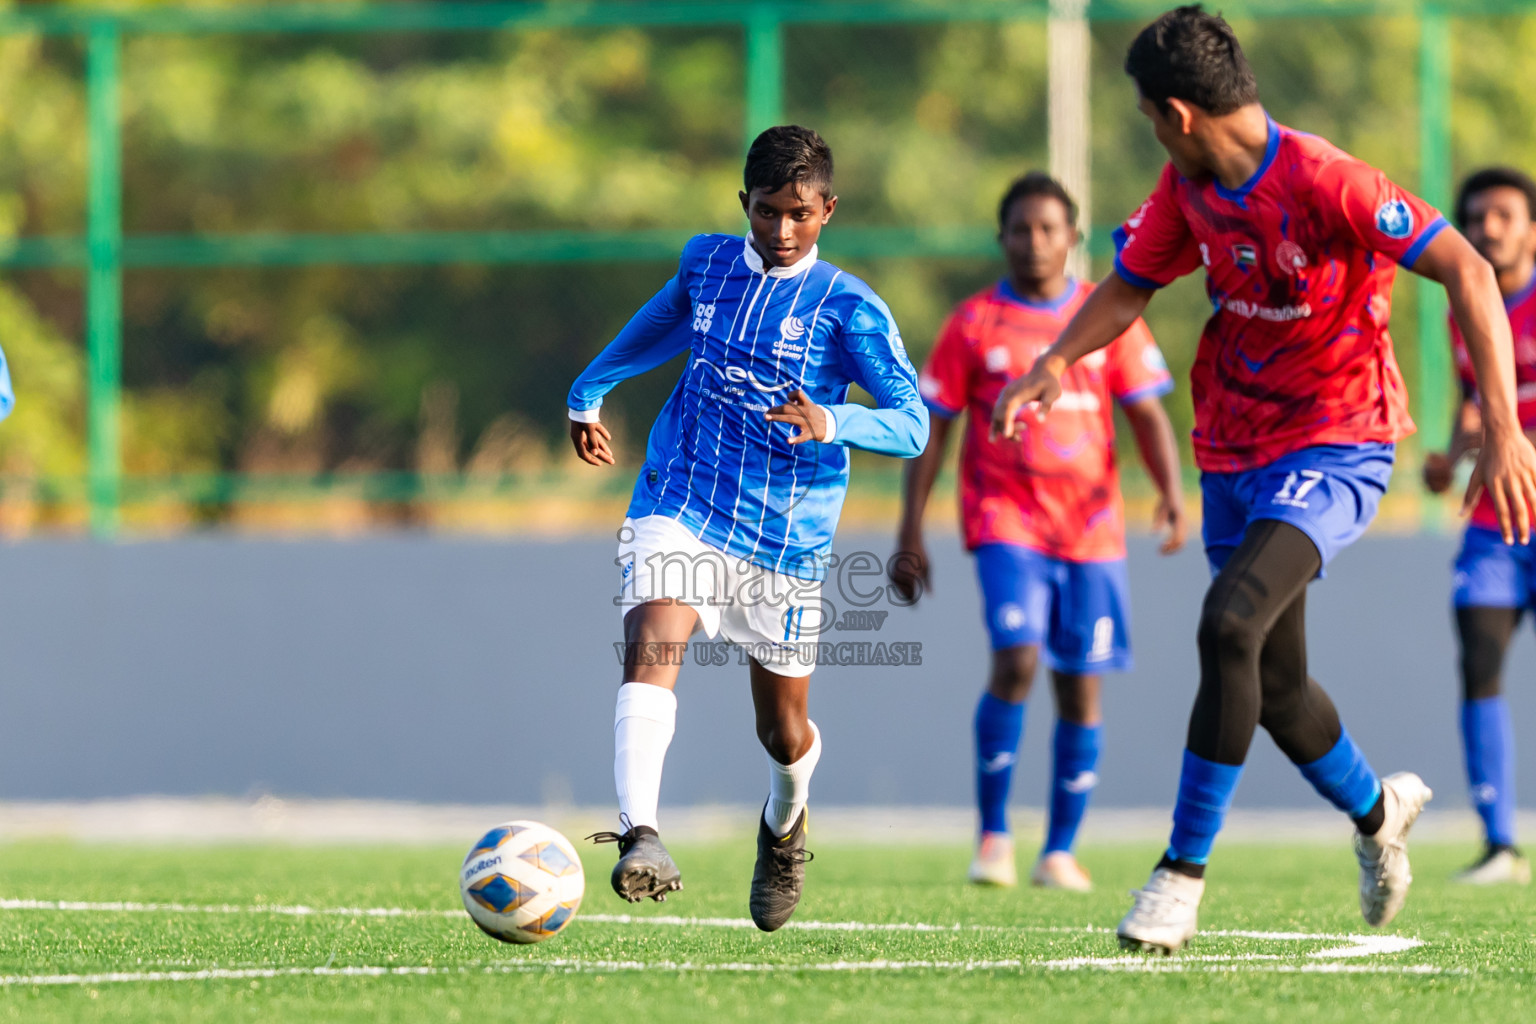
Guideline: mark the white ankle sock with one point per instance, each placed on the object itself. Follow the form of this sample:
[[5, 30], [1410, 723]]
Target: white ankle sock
[[643, 723], [789, 786]]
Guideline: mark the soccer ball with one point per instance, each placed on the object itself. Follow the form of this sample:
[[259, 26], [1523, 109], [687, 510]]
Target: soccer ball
[[522, 882]]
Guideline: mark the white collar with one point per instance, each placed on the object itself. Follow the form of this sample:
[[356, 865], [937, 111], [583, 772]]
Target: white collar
[[756, 265]]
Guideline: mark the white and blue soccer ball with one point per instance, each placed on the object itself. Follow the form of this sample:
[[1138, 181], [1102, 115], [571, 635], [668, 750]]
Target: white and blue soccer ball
[[522, 882]]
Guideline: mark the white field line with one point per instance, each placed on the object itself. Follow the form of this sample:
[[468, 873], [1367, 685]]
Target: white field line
[[1247, 963], [1376, 943], [557, 965], [1359, 945], [1355, 946], [295, 910], [577, 966]]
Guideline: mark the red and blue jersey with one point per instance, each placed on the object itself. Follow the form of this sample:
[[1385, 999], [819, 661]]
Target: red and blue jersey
[[1056, 489], [1522, 325], [1299, 263]]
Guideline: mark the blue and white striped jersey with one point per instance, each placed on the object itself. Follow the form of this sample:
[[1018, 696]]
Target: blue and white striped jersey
[[754, 334]]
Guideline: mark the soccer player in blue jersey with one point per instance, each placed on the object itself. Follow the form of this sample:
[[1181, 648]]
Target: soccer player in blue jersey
[[730, 526], [1298, 405]]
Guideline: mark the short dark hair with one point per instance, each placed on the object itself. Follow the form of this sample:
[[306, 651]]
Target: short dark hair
[[1035, 183], [1193, 56], [789, 153], [1494, 177]]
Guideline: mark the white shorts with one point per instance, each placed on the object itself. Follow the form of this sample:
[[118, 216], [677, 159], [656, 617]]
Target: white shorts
[[777, 618]]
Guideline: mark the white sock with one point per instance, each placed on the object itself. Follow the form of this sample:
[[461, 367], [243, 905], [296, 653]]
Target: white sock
[[789, 787], [643, 723]]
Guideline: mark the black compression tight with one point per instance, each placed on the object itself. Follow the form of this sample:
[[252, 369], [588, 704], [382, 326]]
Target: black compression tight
[[1253, 653], [1484, 633]]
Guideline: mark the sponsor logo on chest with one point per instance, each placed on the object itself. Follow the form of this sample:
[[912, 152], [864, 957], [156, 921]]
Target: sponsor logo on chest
[[791, 342], [1290, 258]]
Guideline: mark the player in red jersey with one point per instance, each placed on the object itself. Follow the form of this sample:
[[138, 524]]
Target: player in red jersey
[[1298, 404], [1495, 582], [1043, 517]]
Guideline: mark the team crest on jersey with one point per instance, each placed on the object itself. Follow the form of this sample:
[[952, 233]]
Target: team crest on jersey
[[1290, 258], [1394, 219], [1245, 256], [997, 360], [791, 333]]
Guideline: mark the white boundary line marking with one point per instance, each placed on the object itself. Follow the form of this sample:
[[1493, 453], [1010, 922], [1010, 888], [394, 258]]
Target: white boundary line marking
[[1355, 946], [295, 910], [579, 966]]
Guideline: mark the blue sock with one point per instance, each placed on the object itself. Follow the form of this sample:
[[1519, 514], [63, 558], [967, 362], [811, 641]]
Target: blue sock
[[1488, 736], [1205, 796], [1344, 778], [1074, 756], [999, 726]]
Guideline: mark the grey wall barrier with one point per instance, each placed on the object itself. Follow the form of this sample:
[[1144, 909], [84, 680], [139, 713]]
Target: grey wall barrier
[[439, 669]]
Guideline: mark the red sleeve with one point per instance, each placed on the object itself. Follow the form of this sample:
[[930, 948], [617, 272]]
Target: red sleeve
[[1135, 368], [1154, 246], [1364, 205], [945, 382]]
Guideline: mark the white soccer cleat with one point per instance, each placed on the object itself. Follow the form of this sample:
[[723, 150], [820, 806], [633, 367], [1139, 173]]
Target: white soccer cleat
[[993, 864], [1060, 870], [1164, 917], [1383, 857], [1502, 866]]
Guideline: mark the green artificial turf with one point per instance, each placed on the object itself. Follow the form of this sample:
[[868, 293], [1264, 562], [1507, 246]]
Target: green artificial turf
[[1477, 961]]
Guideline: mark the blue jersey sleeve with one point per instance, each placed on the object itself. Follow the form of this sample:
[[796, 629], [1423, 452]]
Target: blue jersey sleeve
[[7, 396], [659, 331], [876, 359]]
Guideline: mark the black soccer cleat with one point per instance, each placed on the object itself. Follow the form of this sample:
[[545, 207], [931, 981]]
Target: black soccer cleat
[[779, 877], [645, 868]]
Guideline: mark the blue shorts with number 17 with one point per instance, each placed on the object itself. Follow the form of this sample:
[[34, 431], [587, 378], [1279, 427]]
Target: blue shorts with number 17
[[1328, 492]]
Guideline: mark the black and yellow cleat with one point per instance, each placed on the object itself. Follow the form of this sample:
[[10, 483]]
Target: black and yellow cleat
[[645, 868], [779, 877]]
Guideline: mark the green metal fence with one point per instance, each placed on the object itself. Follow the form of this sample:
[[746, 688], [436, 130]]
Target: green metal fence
[[105, 252]]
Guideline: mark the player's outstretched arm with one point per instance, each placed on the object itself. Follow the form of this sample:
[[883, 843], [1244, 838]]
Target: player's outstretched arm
[[909, 568], [659, 331], [1506, 465], [1160, 454], [1106, 314]]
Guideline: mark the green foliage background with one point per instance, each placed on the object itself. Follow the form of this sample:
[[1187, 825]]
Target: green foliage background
[[455, 368]]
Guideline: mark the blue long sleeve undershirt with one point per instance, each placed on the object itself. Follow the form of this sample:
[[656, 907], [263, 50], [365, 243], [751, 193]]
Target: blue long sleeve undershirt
[[661, 330]]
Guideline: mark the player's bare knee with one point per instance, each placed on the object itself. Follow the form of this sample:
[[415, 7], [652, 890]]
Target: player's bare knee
[[1013, 673], [1077, 698], [785, 739]]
